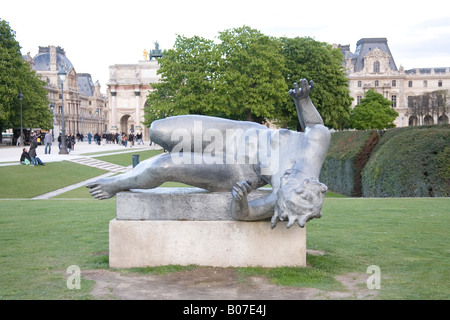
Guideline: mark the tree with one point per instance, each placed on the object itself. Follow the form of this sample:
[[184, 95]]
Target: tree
[[188, 80], [317, 61], [373, 112], [239, 78], [431, 103], [16, 76], [252, 82]]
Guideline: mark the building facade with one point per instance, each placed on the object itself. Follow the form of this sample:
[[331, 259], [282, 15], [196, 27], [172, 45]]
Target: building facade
[[372, 66], [85, 108], [127, 92]]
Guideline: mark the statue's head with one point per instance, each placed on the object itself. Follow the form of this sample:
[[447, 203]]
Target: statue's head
[[298, 199]]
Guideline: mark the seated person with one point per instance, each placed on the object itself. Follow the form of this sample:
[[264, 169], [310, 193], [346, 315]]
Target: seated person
[[25, 157]]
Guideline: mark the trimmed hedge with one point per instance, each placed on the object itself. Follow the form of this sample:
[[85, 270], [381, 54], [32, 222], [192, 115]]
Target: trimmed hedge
[[410, 162], [348, 153]]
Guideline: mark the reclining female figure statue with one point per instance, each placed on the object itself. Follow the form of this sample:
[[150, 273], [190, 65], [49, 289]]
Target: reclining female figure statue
[[251, 156]]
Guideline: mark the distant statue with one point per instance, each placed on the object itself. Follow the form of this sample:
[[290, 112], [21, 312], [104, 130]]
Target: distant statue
[[156, 53], [251, 156], [145, 54]]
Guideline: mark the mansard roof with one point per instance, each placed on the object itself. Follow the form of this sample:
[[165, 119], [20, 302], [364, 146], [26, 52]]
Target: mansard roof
[[85, 84], [366, 45], [42, 60]]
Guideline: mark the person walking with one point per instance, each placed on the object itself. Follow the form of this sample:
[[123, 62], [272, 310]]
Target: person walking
[[48, 140], [59, 141]]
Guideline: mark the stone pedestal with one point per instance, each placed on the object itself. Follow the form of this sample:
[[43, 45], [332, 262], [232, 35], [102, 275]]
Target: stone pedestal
[[185, 226]]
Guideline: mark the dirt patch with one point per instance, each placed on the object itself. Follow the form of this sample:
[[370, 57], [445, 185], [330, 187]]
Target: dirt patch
[[207, 283]]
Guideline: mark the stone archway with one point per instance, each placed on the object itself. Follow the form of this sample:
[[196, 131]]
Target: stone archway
[[443, 119], [124, 123], [413, 121], [428, 120]]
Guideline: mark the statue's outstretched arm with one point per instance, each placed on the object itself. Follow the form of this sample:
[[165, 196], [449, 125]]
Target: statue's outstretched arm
[[306, 111], [257, 209]]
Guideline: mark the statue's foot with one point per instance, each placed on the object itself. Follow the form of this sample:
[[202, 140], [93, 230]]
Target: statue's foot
[[101, 190]]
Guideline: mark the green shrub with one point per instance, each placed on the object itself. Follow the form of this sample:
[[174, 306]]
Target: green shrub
[[347, 156], [410, 162]]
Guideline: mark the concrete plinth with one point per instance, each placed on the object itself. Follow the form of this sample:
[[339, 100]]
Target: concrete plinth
[[206, 243], [190, 239]]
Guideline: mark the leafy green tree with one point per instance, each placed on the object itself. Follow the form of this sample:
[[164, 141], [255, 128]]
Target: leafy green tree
[[188, 80], [373, 112], [252, 83], [317, 61], [16, 76], [239, 78]]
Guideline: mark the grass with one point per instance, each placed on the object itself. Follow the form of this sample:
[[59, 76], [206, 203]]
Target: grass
[[406, 237], [126, 159], [27, 182], [42, 238]]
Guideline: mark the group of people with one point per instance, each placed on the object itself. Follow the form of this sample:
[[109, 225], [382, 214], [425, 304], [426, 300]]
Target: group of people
[[30, 157], [116, 138]]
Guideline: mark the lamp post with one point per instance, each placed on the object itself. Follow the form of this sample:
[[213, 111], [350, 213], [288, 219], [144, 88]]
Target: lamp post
[[97, 112], [21, 125], [62, 76], [52, 109]]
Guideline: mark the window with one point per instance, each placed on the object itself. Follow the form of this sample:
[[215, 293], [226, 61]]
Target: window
[[425, 83], [358, 100], [376, 83], [359, 84], [394, 83], [394, 101], [410, 84], [440, 83], [376, 67]]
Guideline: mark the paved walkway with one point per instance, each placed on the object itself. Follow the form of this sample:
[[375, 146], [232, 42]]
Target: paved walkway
[[83, 153]]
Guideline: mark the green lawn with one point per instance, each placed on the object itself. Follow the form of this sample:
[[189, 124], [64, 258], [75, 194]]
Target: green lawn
[[27, 182], [407, 238], [126, 159]]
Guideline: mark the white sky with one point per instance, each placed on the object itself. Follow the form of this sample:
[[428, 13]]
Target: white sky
[[99, 33]]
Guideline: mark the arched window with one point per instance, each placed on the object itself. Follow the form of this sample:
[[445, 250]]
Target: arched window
[[376, 67], [428, 120], [412, 121], [359, 84]]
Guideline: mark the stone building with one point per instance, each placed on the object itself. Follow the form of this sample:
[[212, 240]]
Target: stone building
[[372, 66], [127, 91], [85, 108]]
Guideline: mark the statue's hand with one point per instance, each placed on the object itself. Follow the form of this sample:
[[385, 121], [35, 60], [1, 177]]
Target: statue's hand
[[303, 91], [241, 190]]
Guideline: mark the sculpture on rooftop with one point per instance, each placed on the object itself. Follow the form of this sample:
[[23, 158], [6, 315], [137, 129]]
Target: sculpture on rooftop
[[238, 156]]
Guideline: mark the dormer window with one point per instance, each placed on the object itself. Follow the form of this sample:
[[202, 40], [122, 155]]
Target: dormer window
[[376, 67]]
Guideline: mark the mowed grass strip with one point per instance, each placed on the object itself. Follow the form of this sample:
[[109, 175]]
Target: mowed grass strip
[[28, 182], [406, 238]]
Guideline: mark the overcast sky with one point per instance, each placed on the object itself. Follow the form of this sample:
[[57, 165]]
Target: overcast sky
[[99, 33]]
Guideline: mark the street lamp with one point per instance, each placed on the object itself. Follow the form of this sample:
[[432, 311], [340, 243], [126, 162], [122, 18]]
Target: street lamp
[[52, 109], [62, 76], [97, 112], [21, 125]]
